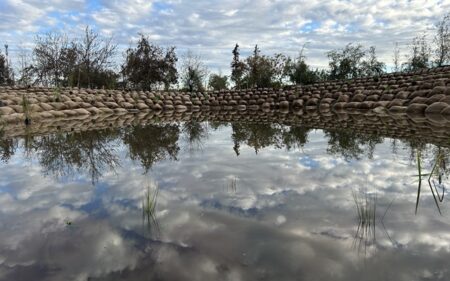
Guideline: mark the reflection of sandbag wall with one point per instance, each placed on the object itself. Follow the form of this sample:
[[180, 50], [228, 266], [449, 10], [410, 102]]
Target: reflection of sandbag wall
[[387, 125], [418, 94]]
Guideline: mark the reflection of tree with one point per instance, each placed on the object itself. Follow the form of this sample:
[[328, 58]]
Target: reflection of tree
[[294, 137], [262, 135], [255, 135], [350, 144], [152, 143], [90, 151], [195, 132], [415, 146], [7, 147], [215, 125]]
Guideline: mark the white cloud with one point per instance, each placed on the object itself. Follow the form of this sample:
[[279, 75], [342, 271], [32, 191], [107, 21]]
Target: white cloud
[[211, 28]]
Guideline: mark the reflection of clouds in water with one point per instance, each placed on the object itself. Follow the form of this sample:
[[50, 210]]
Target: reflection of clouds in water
[[29, 191], [283, 221], [69, 253]]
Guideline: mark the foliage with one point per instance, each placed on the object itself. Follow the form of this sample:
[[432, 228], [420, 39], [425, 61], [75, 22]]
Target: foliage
[[346, 63], [300, 73], [260, 72], [238, 68], [218, 82], [5, 71], [97, 78], [148, 65], [354, 62]]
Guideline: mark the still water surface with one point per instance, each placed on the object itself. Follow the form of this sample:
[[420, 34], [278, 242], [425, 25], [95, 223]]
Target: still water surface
[[221, 201]]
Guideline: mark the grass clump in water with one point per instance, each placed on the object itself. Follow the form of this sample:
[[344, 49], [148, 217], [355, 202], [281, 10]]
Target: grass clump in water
[[434, 178], [366, 206], [149, 205]]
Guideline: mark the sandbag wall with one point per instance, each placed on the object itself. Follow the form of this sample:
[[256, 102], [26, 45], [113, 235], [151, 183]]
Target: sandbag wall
[[417, 93]]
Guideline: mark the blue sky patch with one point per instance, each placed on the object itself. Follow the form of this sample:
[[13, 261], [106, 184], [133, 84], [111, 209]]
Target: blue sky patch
[[308, 162], [310, 27]]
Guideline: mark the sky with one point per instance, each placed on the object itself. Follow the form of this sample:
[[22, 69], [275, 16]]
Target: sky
[[211, 28]]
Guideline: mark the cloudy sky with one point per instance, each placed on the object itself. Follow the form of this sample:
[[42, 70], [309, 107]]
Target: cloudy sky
[[210, 28]]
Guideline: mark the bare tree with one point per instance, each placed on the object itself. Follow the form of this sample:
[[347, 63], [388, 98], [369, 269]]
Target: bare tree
[[442, 41], [48, 57], [23, 67], [371, 66], [419, 56], [193, 72], [396, 58], [95, 53], [280, 65]]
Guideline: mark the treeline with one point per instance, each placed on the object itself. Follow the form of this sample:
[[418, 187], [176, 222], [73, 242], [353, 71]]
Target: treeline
[[89, 62]]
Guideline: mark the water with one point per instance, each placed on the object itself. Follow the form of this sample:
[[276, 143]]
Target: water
[[221, 201]]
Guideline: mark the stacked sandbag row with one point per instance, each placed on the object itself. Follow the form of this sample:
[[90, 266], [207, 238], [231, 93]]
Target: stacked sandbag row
[[424, 92], [394, 92], [393, 126], [47, 103]]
